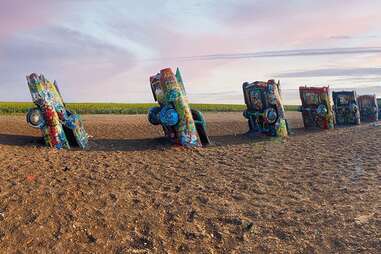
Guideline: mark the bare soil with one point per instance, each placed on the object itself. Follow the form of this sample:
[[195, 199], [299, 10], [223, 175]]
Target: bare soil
[[133, 192]]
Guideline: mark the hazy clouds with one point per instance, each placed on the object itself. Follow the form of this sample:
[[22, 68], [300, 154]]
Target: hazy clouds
[[106, 50]]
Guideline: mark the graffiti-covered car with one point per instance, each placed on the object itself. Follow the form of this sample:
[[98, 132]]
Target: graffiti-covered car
[[346, 107], [379, 106], [265, 111], [368, 108], [317, 107], [181, 124], [60, 127]]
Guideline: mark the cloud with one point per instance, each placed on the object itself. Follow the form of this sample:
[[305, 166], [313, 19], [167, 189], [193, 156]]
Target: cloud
[[105, 50], [349, 37], [333, 72], [82, 64], [340, 37], [357, 80], [295, 23], [282, 53], [20, 16]]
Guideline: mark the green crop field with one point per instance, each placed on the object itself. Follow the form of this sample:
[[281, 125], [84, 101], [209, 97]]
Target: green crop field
[[122, 108]]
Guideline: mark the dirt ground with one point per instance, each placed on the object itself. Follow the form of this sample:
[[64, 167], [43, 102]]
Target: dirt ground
[[132, 192]]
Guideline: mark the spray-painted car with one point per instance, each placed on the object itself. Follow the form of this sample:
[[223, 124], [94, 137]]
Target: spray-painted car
[[379, 106], [60, 127], [346, 107], [265, 111], [181, 124], [368, 108], [317, 107]]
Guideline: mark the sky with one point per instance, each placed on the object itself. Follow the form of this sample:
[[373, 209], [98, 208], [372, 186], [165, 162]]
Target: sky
[[105, 51]]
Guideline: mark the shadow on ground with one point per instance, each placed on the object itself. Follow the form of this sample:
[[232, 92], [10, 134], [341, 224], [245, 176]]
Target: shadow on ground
[[164, 143], [20, 140], [129, 144], [161, 143]]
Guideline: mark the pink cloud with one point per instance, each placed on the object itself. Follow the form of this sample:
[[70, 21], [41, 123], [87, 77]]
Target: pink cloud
[[106, 70], [18, 16], [285, 24]]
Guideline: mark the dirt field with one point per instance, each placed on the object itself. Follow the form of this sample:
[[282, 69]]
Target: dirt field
[[132, 192]]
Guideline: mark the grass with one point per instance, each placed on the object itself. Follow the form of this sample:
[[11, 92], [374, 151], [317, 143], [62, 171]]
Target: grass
[[122, 108]]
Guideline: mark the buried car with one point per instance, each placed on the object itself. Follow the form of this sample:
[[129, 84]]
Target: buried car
[[60, 127], [265, 111], [346, 107], [317, 107], [181, 124], [368, 108]]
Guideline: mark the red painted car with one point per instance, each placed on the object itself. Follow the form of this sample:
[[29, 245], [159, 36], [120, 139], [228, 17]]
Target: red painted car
[[317, 107]]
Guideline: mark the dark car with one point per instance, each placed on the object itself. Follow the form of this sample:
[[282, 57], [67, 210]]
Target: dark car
[[60, 127], [346, 108], [368, 108], [181, 124], [317, 107], [265, 112]]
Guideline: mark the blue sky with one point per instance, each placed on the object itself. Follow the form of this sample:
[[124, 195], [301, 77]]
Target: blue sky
[[106, 50]]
